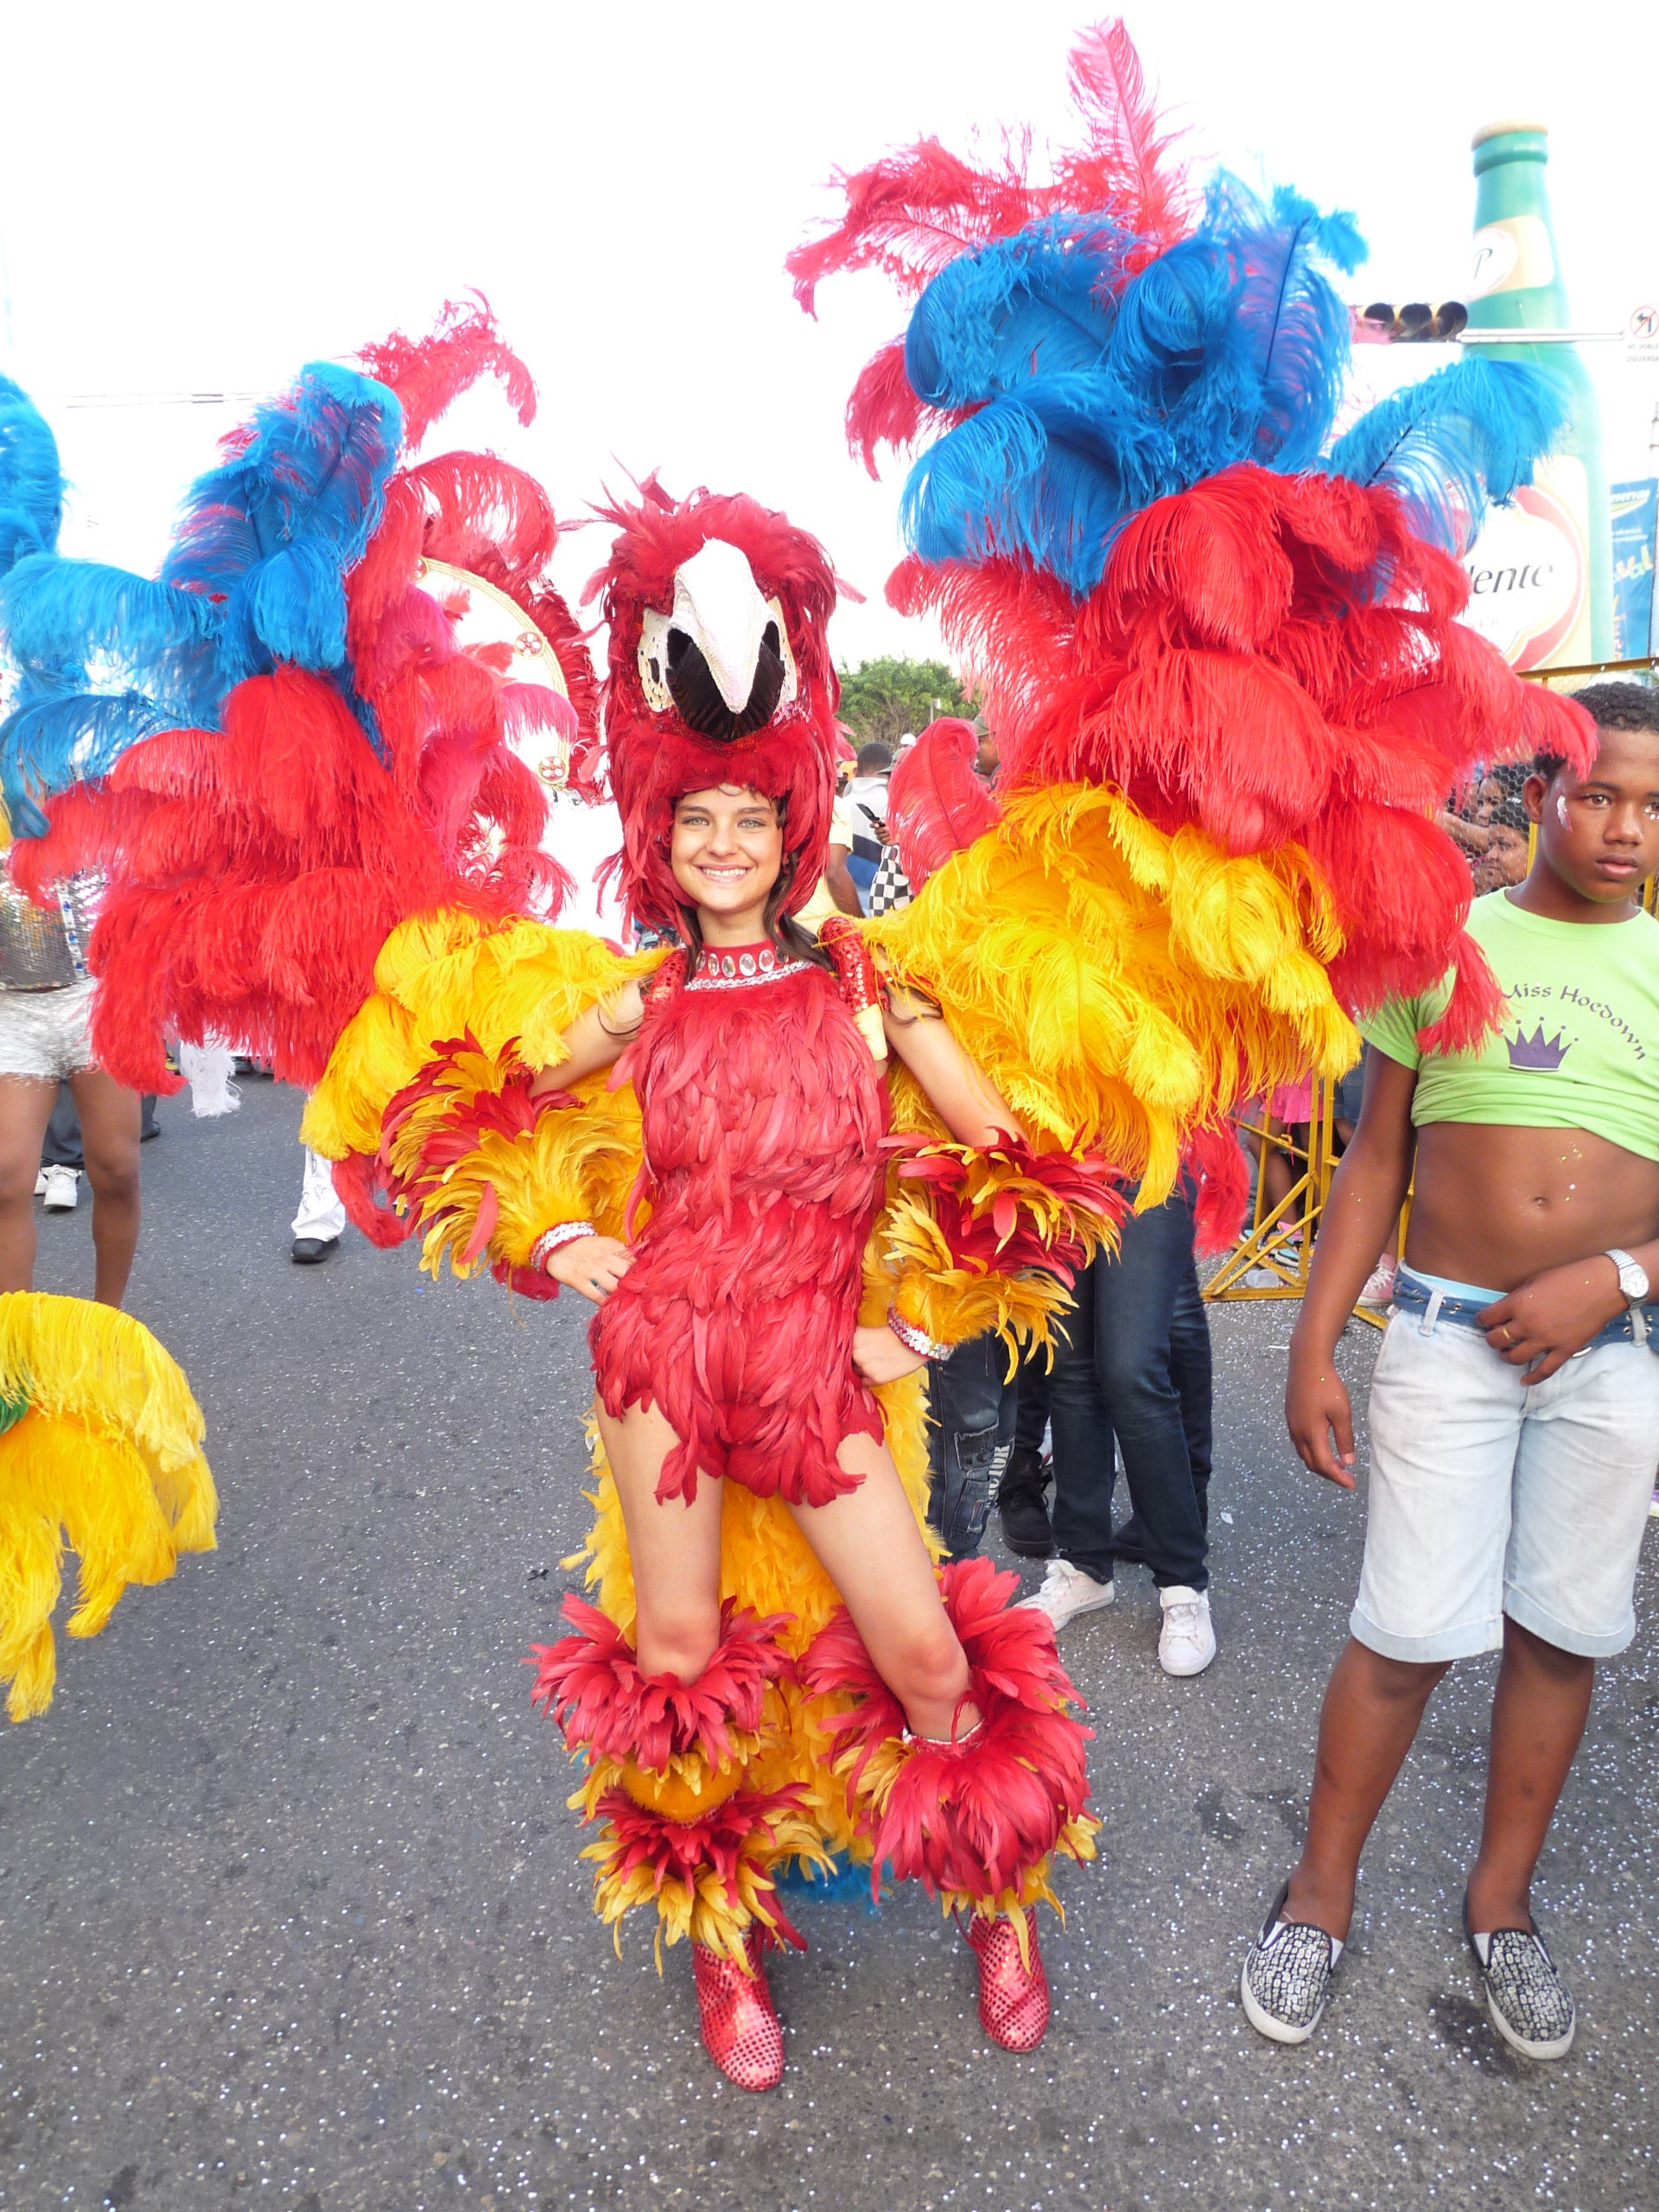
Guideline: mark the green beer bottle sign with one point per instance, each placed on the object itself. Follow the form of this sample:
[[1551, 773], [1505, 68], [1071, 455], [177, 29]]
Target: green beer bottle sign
[[1540, 571]]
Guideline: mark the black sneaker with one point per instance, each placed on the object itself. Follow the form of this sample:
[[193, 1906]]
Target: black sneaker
[[1530, 2005], [1286, 1976], [1022, 1505]]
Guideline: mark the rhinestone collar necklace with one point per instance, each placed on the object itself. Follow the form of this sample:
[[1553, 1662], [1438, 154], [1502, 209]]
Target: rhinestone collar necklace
[[736, 969]]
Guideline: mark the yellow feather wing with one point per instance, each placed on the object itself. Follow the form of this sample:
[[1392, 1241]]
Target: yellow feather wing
[[1121, 987]]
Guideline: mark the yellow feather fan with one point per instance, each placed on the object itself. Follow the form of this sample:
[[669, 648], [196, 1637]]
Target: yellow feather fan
[[445, 975], [100, 1448]]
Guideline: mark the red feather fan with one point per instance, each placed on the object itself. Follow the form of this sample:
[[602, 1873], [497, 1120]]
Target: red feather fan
[[257, 869], [1276, 660]]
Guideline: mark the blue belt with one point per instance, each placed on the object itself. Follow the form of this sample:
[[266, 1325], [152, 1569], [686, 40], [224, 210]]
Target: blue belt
[[1440, 1306]]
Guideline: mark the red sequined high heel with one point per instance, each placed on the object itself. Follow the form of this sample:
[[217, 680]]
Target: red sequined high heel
[[1013, 1995], [739, 2027]]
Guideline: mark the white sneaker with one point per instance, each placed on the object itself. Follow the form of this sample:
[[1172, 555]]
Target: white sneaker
[[1186, 1641], [1067, 1591], [59, 1189], [40, 1183]]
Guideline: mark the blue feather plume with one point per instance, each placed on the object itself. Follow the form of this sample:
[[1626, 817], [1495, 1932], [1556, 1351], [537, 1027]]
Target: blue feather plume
[[256, 576], [1460, 440], [31, 481], [1035, 304], [51, 743], [1096, 395], [78, 625], [275, 528]]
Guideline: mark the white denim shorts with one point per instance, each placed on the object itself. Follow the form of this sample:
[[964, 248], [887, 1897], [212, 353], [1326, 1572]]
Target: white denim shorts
[[1490, 1495], [47, 1034]]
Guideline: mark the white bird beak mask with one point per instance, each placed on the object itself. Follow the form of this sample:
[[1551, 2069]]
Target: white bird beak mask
[[721, 658]]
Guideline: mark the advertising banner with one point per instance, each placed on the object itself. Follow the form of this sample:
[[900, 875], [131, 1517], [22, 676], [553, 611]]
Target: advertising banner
[[1636, 519]]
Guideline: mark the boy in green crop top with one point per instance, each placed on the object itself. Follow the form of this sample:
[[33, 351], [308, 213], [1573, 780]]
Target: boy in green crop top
[[1515, 1408]]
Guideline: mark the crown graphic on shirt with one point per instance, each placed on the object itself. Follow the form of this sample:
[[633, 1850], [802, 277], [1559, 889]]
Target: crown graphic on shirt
[[1536, 1050]]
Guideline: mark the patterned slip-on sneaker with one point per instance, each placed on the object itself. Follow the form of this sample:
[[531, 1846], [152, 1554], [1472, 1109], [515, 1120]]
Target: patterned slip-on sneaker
[[1530, 2005], [1286, 1976]]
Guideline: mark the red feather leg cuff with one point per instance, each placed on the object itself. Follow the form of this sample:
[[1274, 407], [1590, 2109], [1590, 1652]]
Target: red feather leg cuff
[[591, 1684], [978, 1821]]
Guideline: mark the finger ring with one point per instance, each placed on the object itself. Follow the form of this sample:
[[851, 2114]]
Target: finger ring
[[1508, 1334]]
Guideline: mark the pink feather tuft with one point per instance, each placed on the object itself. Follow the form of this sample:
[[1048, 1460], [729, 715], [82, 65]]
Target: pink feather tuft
[[430, 374]]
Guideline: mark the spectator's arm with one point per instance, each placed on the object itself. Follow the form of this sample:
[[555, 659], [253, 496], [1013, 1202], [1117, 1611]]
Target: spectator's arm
[[839, 883]]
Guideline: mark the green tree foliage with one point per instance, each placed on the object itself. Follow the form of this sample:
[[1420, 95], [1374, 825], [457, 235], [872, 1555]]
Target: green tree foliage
[[880, 700]]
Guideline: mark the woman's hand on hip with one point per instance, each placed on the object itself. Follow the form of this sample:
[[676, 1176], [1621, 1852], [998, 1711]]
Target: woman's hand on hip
[[592, 1265], [879, 1356]]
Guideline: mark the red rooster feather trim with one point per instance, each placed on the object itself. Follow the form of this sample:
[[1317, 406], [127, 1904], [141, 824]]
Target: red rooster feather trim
[[591, 1685], [977, 1820]]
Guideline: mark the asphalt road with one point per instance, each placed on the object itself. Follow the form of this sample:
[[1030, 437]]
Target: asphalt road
[[291, 1913]]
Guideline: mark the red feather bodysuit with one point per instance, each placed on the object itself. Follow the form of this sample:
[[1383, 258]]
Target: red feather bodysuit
[[763, 1116]]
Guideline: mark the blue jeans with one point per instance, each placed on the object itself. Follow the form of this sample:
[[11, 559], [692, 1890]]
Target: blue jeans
[[1136, 1367], [971, 1413]]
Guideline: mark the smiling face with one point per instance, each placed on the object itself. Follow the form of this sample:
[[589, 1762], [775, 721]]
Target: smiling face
[[726, 854], [1599, 835]]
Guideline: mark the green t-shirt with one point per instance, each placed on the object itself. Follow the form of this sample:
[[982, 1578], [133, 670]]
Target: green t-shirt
[[1579, 1047]]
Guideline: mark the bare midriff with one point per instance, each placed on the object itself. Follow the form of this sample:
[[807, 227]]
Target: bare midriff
[[1495, 1205]]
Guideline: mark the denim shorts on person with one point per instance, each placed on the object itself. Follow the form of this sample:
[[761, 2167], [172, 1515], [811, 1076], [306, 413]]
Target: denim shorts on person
[[47, 1035], [1491, 1497]]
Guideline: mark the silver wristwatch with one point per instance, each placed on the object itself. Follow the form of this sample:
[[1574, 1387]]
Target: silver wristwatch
[[1632, 1277]]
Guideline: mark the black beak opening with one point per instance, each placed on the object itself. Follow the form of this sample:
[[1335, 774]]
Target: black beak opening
[[692, 687]]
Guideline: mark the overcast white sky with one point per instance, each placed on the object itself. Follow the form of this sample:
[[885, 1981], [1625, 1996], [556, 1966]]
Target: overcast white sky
[[200, 198]]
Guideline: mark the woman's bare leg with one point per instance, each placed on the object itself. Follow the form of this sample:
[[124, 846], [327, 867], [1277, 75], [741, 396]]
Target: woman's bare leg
[[674, 1548], [26, 1104], [868, 1544], [110, 1118]]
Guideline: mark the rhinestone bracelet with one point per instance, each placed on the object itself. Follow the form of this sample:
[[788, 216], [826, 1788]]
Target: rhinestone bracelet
[[551, 1241], [915, 1339]]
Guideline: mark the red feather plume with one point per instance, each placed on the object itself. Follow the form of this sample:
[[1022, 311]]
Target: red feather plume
[[937, 805]]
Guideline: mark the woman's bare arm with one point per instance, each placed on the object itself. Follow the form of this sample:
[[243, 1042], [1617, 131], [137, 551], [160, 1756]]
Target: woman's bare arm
[[960, 1092], [595, 1041]]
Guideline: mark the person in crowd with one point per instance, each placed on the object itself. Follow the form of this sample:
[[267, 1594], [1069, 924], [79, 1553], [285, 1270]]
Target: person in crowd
[[1503, 860], [1515, 1398], [63, 1160], [1022, 1490], [320, 1224], [864, 815], [1132, 1368], [971, 1406], [45, 995]]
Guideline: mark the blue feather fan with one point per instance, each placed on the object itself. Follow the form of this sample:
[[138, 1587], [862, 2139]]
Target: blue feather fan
[[31, 482], [256, 576], [1096, 395]]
